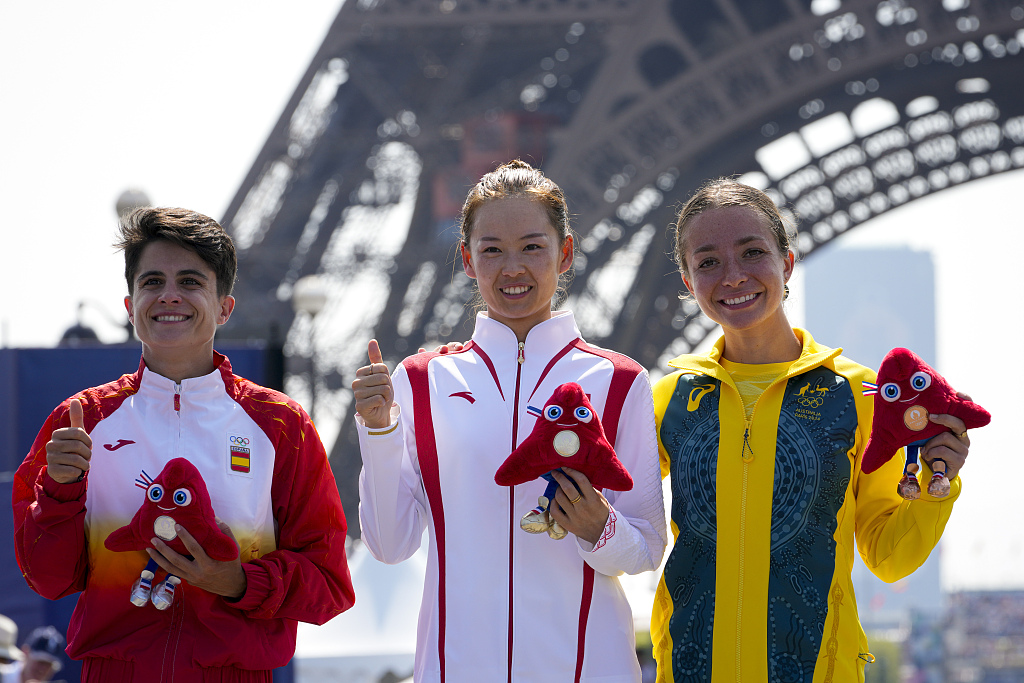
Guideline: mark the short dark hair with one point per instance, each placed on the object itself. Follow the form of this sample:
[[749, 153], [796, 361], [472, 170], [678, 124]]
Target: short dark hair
[[188, 229]]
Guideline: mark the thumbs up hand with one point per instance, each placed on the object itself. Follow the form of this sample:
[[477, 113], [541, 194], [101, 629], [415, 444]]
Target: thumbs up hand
[[70, 448], [373, 390]]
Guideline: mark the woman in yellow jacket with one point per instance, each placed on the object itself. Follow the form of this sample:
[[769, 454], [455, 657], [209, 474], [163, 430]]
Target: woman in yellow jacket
[[762, 438]]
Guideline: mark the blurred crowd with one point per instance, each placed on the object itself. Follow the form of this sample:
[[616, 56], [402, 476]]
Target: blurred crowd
[[38, 657], [987, 627]]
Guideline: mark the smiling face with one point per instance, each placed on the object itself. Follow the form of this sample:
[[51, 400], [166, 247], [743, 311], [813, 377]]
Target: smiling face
[[735, 270], [175, 309], [516, 256]]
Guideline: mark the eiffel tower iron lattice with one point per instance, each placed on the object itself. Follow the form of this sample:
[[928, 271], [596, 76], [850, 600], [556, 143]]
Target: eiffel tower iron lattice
[[840, 109]]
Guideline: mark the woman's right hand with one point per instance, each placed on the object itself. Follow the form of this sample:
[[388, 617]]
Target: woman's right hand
[[69, 449], [373, 390]]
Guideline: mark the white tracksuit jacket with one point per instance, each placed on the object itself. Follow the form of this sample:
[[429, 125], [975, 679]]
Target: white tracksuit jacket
[[500, 604]]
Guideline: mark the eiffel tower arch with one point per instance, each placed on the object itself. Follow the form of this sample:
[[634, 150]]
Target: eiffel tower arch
[[840, 109]]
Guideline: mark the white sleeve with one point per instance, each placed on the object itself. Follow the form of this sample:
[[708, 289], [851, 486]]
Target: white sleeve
[[392, 502], [634, 537]]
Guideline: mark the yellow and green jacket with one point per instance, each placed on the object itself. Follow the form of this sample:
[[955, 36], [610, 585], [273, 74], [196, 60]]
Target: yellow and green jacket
[[757, 586]]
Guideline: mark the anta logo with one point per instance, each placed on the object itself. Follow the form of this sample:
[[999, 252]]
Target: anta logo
[[468, 395], [115, 446], [696, 394]]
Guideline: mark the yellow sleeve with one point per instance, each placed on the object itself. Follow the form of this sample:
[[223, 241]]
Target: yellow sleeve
[[894, 536]]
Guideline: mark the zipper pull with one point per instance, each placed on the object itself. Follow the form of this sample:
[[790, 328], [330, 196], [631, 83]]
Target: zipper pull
[[746, 446], [522, 355], [177, 397]]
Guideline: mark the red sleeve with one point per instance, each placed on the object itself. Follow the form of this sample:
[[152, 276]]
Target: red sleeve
[[49, 521], [307, 577]]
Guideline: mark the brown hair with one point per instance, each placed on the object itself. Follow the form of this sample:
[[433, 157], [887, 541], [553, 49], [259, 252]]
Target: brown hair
[[722, 192], [516, 179], [188, 229]]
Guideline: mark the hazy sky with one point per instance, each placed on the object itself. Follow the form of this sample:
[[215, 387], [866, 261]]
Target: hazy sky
[[177, 98], [173, 98]]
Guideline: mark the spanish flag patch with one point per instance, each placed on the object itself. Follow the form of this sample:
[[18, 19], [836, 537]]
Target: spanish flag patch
[[239, 454]]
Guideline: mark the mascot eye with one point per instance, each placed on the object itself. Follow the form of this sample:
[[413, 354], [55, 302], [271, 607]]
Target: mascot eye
[[182, 497], [155, 492], [920, 380], [890, 391], [552, 413], [583, 414]]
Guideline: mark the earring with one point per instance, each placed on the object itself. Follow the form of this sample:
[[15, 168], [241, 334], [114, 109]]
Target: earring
[[785, 292]]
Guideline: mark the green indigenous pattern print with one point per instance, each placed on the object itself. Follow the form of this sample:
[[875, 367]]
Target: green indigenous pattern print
[[817, 430], [690, 433]]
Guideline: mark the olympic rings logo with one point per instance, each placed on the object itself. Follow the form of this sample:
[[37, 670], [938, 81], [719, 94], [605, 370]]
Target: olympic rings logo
[[239, 440], [810, 401]]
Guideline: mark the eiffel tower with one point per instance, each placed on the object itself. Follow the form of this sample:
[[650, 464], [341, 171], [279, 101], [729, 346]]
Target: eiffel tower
[[840, 109]]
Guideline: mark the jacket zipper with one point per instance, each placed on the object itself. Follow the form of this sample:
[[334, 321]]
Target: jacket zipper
[[177, 611], [520, 359], [747, 455], [177, 414]]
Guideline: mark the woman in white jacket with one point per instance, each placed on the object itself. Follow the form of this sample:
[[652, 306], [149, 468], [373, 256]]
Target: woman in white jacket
[[500, 604]]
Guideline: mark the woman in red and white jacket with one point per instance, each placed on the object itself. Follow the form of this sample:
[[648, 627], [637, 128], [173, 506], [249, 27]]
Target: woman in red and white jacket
[[266, 471], [500, 604]]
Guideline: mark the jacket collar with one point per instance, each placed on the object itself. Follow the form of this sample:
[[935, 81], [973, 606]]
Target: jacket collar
[[220, 379], [545, 338], [812, 354]]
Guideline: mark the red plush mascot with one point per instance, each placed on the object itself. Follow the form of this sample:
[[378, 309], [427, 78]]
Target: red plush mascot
[[906, 393], [178, 495], [567, 433]]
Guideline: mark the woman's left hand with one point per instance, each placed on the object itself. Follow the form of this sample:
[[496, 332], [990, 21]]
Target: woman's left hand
[[952, 446], [581, 509], [450, 347]]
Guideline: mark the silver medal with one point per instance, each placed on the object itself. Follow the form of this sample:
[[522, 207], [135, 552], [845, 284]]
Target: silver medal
[[164, 527]]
